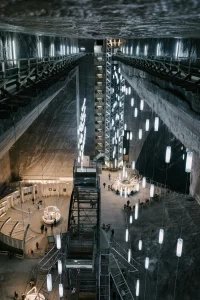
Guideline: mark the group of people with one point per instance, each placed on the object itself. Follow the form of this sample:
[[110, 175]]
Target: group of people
[[127, 206]]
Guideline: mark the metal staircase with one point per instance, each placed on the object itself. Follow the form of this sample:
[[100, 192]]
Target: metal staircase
[[119, 280]]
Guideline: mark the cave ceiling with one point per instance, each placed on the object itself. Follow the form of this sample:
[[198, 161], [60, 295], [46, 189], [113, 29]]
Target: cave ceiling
[[102, 18]]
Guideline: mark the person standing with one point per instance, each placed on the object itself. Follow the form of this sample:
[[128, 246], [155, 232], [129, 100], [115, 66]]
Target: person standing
[[104, 184], [109, 176], [128, 202], [112, 233], [37, 245], [15, 295]]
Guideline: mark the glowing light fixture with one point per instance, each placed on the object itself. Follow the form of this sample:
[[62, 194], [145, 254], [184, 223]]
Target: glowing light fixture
[[126, 235], [137, 292], [136, 211], [124, 151], [144, 182], [156, 124], [125, 126], [146, 265], [188, 165], [129, 255], [183, 156], [129, 90], [179, 247], [140, 245], [161, 236], [60, 290], [135, 112], [147, 125], [49, 282], [59, 267], [133, 165], [127, 136], [14, 50], [141, 104], [140, 134], [131, 219], [151, 190], [58, 241], [131, 136], [132, 102], [168, 154]]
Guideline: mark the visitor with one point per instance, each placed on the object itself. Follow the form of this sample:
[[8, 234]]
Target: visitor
[[23, 296], [37, 245], [108, 187], [104, 184], [42, 228], [38, 207], [112, 233], [16, 295], [54, 222], [33, 201], [31, 251], [128, 202], [124, 206], [109, 176]]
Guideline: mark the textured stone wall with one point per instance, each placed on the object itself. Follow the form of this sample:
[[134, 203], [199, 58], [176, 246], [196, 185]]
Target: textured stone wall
[[48, 148], [195, 177], [5, 173], [175, 111]]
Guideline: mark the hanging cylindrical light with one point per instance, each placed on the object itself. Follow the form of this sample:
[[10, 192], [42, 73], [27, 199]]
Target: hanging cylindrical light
[[140, 134], [136, 211], [121, 191], [168, 154], [133, 165], [156, 124], [49, 282], [188, 165], [135, 112], [137, 187], [125, 126], [179, 247], [147, 125], [59, 267], [125, 192], [183, 156], [58, 241], [140, 245], [60, 290], [129, 90], [131, 136], [132, 102], [127, 135], [131, 219], [126, 235], [144, 182], [137, 289], [129, 255], [124, 151], [146, 265], [141, 104], [151, 190], [161, 236]]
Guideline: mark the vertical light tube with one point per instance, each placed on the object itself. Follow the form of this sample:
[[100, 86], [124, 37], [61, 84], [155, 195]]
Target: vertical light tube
[[129, 255], [140, 134], [121, 191], [58, 241], [133, 165], [131, 219], [126, 235], [131, 136], [132, 102], [137, 292], [161, 236], [156, 124], [140, 245], [147, 125], [144, 182], [151, 190], [179, 247], [146, 265], [188, 165], [125, 126], [136, 211], [183, 156], [135, 112], [127, 136], [49, 282], [124, 151], [14, 50], [59, 267], [141, 104], [168, 154], [60, 290]]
